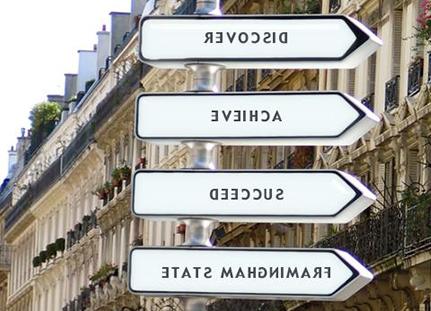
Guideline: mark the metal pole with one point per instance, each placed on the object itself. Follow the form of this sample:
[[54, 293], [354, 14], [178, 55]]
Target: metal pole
[[202, 153]]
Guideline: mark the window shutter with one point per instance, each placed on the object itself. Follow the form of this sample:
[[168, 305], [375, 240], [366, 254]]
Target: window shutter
[[371, 74], [396, 42], [413, 166]]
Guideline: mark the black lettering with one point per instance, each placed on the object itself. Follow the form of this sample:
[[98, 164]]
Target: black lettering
[[247, 192], [259, 194], [273, 271], [226, 114], [262, 272], [239, 273], [208, 37], [234, 194], [197, 271], [327, 271], [223, 194], [207, 273], [175, 271], [243, 37], [253, 115], [317, 272], [186, 273], [267, 37], [267, 194], [214, 194], [219, 37], [237, 115], [264, 112], [283, 37], [214, 115], [251, 272], [279, 195], [165, 272], [277, 116], [292, 273], [305, 273], [231, 36], [257, 36], [226, 273]]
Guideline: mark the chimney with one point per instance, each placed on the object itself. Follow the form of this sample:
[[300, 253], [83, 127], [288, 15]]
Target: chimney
[[136, 12], [11, 162], [120, 25], [87, 68], [103, 50], [69, 86], [55, 98]]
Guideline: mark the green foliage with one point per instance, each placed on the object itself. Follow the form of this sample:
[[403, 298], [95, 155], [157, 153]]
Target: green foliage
[[51, 250], [43, 255], [60, 244], [301, 7], [43, 119], [101, 274], [125, 172], [36, 262]]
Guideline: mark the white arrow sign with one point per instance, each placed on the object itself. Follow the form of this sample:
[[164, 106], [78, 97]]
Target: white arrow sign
[[256, 41], [255, 118], [304, 196], [306, 274]]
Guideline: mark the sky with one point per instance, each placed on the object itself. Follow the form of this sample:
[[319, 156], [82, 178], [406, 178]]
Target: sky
[[39, 41]]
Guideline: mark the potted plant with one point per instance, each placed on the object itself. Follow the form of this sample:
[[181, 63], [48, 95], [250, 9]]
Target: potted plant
[[100, 192], [60, 244], [125, 173], [116, 177], [51, 250], [36, 262], [43, 255]]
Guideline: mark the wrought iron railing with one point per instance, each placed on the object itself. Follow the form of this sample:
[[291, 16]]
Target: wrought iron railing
[[392, 93], [368, 101], [334, 5], [251, 79], [239, 83], [392, 231], [415, 77]]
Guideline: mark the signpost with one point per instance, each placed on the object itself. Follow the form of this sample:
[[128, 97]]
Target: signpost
[[256, 41], [202, 120], [258, 273], [302, 196], [253, 118]]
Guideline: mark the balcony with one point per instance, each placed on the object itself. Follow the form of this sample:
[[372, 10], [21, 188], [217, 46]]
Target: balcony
[[391, 232], [5, 256], [392, 93], [368, 101], [415, 77], [81, 229]]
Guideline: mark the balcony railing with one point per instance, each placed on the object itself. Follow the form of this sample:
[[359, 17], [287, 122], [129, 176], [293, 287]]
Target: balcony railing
[[392, 93], [368, 101], [334, 5], [390, 232], [239, 83], [251, 80], [415, 77], [81, 229], [5, 256]]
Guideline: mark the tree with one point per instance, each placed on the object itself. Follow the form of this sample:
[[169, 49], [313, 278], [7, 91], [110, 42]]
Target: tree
[[43, 117]]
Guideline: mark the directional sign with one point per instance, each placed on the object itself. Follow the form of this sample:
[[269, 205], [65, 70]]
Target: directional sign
[[306, 274], [256, 41], [304, 196], [255, 118]]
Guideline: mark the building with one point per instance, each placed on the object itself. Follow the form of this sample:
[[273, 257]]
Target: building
[[65, 212]]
